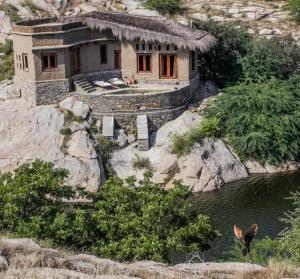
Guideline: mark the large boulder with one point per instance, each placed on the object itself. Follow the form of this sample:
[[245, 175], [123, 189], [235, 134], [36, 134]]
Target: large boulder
[[28, 133], [78, 108], [206, 168]]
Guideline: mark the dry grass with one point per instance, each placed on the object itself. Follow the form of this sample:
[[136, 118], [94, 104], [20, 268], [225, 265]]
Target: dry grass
[[274, 270]]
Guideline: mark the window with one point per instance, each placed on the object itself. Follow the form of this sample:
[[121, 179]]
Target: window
[[25, 62], [103, 54], [137, 46], [150, 47], [49, 62], [159, 47], [193, 58], [143, 47], [175, 48], [144, 63], [167, 48]]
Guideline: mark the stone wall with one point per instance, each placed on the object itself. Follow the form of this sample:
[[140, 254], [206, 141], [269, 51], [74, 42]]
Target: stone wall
[[156, 119], [41, 93], [137, 102]]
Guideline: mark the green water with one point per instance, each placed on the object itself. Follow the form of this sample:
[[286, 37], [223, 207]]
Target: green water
[[258, 199]]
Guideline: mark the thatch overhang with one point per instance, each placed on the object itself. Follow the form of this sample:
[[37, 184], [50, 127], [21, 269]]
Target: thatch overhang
[[148, 29]]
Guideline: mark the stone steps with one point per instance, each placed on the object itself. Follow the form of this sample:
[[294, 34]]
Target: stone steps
[[84, 86]]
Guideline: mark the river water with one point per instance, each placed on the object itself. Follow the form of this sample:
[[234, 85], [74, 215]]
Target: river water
[[258, 199]]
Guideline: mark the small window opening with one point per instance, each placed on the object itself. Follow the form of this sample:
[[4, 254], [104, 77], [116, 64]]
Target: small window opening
[[103, 54], [150, 47], [137, 47], [25, 62], [143, 47], [167, 48]]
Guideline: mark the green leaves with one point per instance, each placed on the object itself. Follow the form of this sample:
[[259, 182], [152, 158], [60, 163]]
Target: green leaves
[[170, 7], [126, 220], [293, 6], [261, 121]]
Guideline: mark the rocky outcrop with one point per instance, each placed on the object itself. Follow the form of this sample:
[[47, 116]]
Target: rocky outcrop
[[28, 133], [32, 260], [5, 27], [206, 168]]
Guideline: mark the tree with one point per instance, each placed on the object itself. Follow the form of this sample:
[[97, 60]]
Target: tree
[[290, 236], [277, 57], [293, 6], [261, 121], [122, 221], [222, 63]]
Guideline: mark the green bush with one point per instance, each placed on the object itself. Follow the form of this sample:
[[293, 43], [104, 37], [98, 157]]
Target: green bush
[[65, 131], [122, 221], [290, 237], [261, 251], [170, 7], [293, 6], [211, 127], [277, 57], [261, 121], [141, 163], [11, 12], [7, 61], [183, 144], [222, 63]]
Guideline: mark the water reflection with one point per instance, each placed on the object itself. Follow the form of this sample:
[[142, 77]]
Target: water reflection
[[259, 199]]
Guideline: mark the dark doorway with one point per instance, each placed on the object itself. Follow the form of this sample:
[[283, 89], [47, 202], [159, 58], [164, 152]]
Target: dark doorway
[[75, 61]]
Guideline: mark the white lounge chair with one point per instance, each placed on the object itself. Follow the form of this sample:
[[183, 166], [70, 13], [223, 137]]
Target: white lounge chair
[[118, 82], [104, 84]]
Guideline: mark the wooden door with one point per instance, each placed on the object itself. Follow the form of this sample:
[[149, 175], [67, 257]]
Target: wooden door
[[168, 66], [75, 61], [117, 58]]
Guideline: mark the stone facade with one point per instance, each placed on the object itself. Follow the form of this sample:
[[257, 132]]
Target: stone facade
[[41, 93]]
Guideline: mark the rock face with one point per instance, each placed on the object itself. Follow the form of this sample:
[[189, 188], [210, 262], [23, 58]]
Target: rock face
[[78, 108], [49, 263], [28, 133], [206, 168], [5, 26]]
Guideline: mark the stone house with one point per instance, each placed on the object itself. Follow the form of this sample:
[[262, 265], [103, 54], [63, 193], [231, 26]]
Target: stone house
[[53, 57]]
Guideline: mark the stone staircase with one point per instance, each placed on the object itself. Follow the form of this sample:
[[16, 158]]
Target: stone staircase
[[84, 86]]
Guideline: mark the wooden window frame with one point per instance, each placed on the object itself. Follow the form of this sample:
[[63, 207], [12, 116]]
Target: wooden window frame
[[24, 62], [49, 69], [144, 63], [105, 61], [161, 76]]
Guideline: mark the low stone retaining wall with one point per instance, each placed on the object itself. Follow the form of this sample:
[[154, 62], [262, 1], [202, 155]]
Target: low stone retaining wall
[[137, 102], [156, 119]]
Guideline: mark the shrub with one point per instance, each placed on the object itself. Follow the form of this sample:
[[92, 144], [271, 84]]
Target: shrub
[[141, 163], [121, 221], [222, 63], [290, 237], [183, 144], [261, 251], [70, 116], [293, 6], [65, 131], [277, 57], [170, 7], [211, 127], [105, 147], [7, 61], [11, 12], [261, 121]]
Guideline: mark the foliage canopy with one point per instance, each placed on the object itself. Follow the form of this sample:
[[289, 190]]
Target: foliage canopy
[[170, 7], [122, 221], [261, 120]]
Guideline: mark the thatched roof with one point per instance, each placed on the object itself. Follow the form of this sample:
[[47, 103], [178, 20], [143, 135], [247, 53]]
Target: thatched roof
[[149, 29]]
